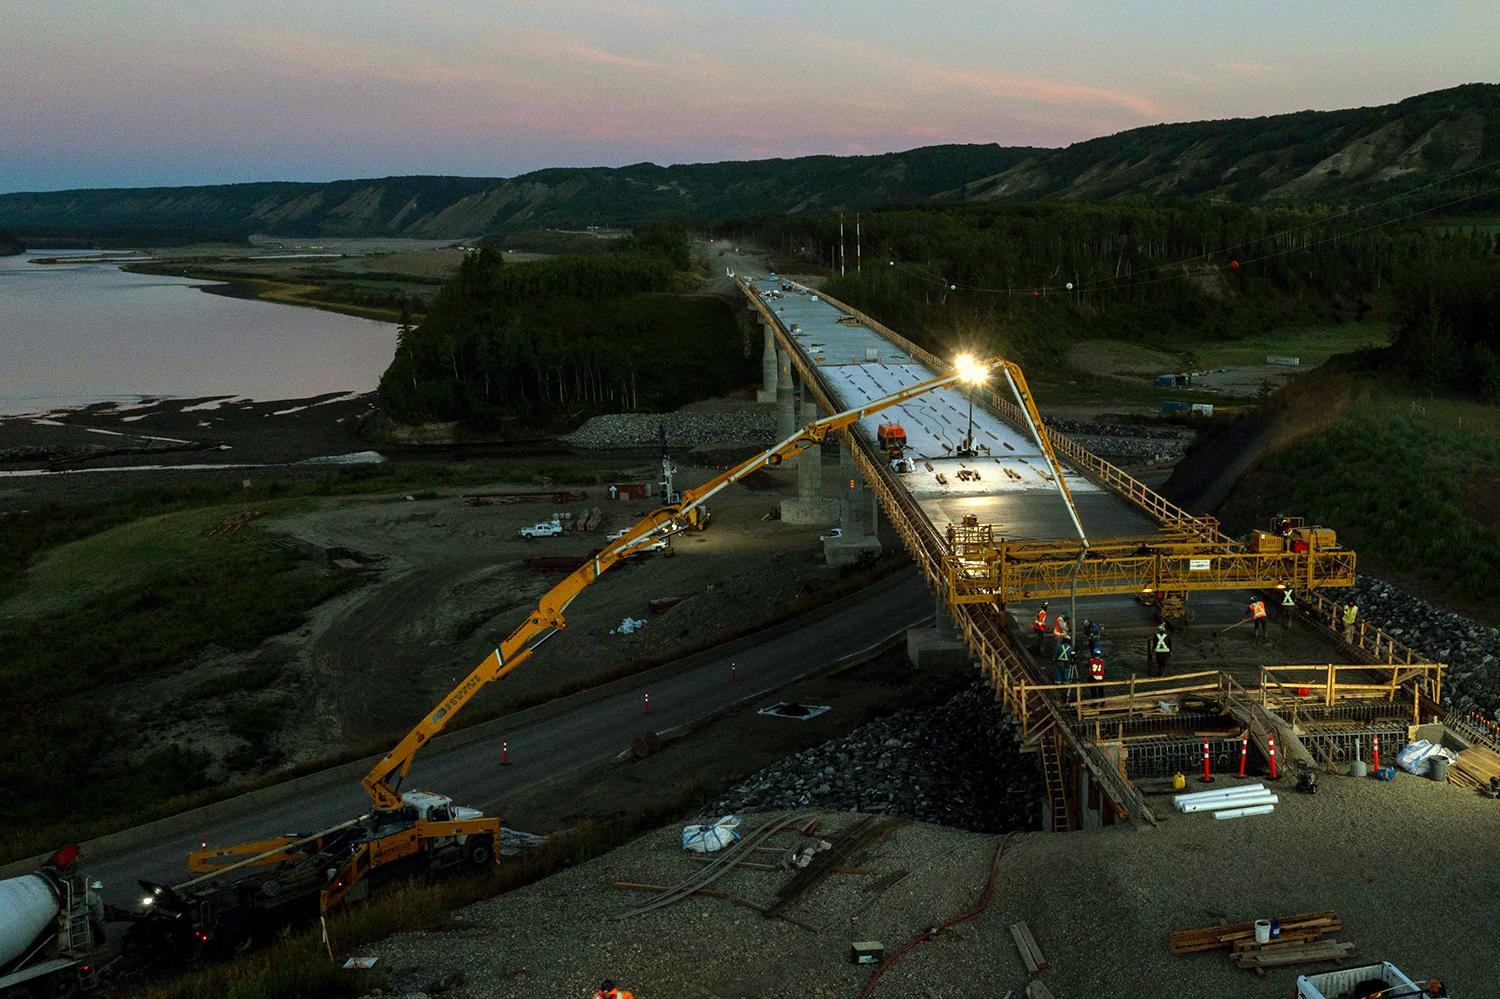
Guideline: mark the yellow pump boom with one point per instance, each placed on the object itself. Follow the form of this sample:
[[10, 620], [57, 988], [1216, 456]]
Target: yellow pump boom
[[383, 781]]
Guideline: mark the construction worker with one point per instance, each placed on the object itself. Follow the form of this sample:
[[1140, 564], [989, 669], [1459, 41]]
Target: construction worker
[[1257, 613], [608, 990], [1060, 627], [1096, 669], [1162, 648], [1040, 627], [1062, 661], [1351, 614], [1288, 604]]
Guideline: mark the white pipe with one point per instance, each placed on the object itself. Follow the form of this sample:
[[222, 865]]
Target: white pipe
[[1180, 805], [1215, 793], [1234, 802], [1235, 813], [1223, 803]]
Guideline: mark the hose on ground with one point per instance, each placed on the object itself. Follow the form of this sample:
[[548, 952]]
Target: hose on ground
[[933, 932]]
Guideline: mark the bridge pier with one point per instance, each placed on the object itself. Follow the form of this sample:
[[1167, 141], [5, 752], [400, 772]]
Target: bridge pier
[[768, 391], [786, 402], [858, 542], [937, 644], [810, 506]]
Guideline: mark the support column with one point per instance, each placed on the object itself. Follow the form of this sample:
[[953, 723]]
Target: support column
[[786, 403], [768, 367], [810, 507], [857, 542], [937, 644]]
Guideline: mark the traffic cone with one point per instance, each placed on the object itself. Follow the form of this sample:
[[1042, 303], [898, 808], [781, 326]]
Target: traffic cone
[[1244, 751], [1271, 740], [1375, 752], [505, 752], [1207, 777], [732, 677], [646, 704]]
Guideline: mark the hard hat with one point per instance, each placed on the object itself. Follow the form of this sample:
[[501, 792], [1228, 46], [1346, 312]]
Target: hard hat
[[1044, 605], [607, 985]]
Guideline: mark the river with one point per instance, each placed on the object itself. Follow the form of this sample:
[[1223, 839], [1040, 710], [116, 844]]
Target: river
[[72, 334]]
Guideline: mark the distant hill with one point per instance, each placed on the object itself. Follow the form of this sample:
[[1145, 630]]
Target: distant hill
[[9, 245], [1326, 155]]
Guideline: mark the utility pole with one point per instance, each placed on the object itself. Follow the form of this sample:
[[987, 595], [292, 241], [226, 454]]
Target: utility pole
[[841, 244], [858, 248]]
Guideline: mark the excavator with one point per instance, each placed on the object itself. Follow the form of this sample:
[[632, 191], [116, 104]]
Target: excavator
[[413, 832]]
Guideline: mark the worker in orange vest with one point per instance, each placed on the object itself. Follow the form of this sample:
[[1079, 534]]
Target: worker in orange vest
[[1096, 667], [608, 990], [1040, 627], [1257, 613]]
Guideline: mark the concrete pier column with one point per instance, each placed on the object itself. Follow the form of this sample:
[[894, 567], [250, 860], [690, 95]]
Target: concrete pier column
[[810, 506], [769, 367], [786, 401], [857, 542], [937, 643], [810, 462]]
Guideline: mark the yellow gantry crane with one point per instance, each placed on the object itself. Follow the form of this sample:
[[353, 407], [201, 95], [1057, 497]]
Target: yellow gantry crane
[[403, 826]]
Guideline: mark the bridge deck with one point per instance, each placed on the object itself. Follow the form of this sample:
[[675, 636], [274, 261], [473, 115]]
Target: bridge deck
[[1015, 488]]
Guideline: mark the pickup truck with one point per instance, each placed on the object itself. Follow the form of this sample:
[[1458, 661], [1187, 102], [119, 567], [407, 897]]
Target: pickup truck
[[546, 529], [1370, 981]]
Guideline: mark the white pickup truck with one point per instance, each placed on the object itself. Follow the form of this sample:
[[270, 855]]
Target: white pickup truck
[[546, 529], [1370, 981]]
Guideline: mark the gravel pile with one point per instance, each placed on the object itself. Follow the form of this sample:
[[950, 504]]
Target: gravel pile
[[958, 764], [748, 425], [1127, 440], [1471, 649]]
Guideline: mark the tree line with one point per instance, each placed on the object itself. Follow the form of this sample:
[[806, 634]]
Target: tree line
[[539, 345]]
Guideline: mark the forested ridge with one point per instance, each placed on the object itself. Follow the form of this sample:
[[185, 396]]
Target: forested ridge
[[1329, 156]]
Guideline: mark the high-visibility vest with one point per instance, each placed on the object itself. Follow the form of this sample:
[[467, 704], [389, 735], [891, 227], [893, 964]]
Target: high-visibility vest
[[1096, 668], [614, 994], [1286, 599], [1060, 627], [1162, 643], [1350, 613], [1258, 609], [1041, 621]]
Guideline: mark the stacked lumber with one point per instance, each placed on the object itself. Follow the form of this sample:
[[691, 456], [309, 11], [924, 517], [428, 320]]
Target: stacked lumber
[[1304, 928], [1474, 768], [1279, 955]]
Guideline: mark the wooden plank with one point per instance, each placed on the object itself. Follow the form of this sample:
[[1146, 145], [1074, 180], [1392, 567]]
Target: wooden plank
[[1327, 950], [1026, 946], [1036, 990], [1223, 937]]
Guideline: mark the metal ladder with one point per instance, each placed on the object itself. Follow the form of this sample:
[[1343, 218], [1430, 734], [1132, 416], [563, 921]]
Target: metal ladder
[[1057, 792], [74, 933]]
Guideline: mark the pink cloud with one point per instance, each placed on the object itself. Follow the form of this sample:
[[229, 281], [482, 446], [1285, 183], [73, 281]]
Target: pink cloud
[[611, 58]]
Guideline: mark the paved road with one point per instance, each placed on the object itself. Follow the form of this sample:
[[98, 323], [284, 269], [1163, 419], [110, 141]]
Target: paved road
[[586, 735]]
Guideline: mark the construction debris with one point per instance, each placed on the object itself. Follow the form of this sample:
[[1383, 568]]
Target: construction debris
[[1036, 990], [229, 525], [513, 498]]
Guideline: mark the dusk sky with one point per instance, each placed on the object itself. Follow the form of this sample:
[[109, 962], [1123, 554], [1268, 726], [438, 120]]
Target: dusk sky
[[157, 92]]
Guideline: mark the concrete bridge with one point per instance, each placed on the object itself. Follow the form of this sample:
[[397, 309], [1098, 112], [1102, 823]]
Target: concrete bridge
[[991, 532]]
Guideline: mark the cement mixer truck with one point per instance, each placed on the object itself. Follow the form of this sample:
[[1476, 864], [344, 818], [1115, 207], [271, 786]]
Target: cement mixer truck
[[51, 921]]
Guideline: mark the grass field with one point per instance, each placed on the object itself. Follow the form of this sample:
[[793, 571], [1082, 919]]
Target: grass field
[[1313, 345], [1408, 481]]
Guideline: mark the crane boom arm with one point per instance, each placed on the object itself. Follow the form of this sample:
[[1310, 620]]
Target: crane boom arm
[[383, 781]]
